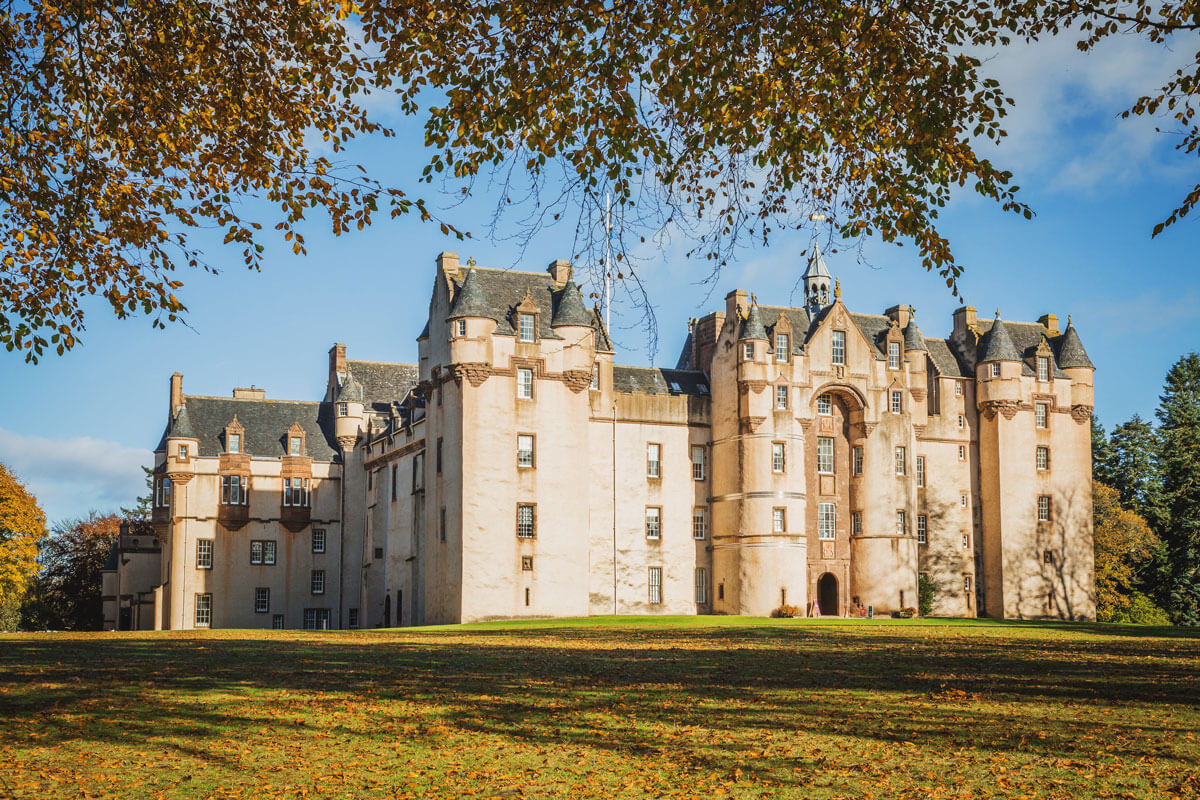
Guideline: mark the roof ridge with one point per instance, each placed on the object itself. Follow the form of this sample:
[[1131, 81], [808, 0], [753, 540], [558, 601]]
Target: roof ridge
[[252, 399], [384, 363]]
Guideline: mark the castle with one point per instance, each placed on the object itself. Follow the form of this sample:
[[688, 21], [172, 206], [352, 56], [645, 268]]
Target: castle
[[808, 456]]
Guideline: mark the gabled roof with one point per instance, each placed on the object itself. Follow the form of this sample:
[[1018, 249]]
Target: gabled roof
[[383, 382], [500, 291], [1070, 352], [569, 308], [265, 424], [875, 328], [653, 380]]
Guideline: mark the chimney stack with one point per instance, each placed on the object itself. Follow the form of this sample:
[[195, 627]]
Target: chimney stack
[[448, 262], [1050, 323], [176, 393]]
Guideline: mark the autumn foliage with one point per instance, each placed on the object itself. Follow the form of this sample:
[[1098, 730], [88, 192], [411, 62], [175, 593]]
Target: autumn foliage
[[1124, 546], [22, 526], [67, 592]]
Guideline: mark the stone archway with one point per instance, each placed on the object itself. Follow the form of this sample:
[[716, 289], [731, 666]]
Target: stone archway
[[827, 595]]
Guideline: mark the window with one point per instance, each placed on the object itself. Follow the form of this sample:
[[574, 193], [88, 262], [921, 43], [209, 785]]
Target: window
[[653, 522], [525, 324], [442, 525], [920, 472], [897, 406], [856, 522], [295, 446], [901, 454], [893, 355], [162, 492], [1043, 457], [203, 610], [418, 475], [901, 523], [825, 454], [962, 452], [655, 581], [524, 383], [1043, 369], [343, 409], [234, 490], [922, 531], [460, 327], [256, 551], [824, 404], [316, 619], [653, 460], [183, 452], [958, 388], [995, 369], [962, 422], [318, 540], [782, 350], [966, 583], [526, 519], [395, 481], [779, 520], [748, 351], [699, 523], [857, 459], [966, 541], [262, 600], [527, 563], [1047, 556], [352, 617], [778, 460], [204, 553], [1043, 508], [295, 491], [1041, 414], [781, 397], [826, 521], [262, 551], [277, 621], [697, 462], [233, 442], [378, 553], [527, 595], [964, 500], [439, 394], [701, 585], [438, 456], [524, 450], [317, 582], [595, 375], [838, 354]]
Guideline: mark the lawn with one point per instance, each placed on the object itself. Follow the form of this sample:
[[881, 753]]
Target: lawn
[[607, 708]]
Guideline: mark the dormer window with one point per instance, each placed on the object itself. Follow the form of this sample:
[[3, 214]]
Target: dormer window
[[1043, 369], [525, 327], [460, 327], [839, 348], [295, 445], [782, 347], [233, 443], [343, 409], [893, 355]]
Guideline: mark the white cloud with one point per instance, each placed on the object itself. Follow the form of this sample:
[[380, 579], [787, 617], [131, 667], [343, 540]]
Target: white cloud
[[72, 476]]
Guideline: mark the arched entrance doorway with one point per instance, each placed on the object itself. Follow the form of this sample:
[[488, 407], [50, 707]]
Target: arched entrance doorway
[[827, 595]]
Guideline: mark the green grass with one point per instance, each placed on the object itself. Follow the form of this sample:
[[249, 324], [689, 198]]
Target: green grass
[[607, 708]]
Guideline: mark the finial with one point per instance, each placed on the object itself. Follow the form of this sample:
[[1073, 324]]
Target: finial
[[997, 312], [753, 299], [1068, 320], [471, 261], [837, 289]]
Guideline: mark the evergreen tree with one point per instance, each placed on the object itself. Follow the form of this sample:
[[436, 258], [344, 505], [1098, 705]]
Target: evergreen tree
[[1179, 429], [1101, 453], [144, 504], [1134, 470]]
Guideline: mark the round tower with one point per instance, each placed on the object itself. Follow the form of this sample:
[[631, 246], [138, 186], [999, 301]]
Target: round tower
[[348, 412]]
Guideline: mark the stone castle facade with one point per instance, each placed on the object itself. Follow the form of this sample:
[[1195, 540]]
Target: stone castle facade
[[806, 456]]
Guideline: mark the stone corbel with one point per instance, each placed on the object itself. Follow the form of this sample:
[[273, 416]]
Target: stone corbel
[[1081, 413], [577, 379], [1008, 408], [475, 372], [752, 423]]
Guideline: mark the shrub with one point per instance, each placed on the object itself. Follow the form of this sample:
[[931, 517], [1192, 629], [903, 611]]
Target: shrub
[[786, 611], [1141, 611], [907, 613], [926, 591]]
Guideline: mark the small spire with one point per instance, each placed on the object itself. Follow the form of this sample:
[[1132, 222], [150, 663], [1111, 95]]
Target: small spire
[[997, 312]]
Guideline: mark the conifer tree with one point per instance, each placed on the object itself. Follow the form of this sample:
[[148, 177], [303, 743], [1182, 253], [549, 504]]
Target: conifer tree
[[1179, 428], [1101, 453], [1134, 470]]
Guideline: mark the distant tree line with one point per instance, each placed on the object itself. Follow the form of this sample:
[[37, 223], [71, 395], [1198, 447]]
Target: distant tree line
[[1146, 494]]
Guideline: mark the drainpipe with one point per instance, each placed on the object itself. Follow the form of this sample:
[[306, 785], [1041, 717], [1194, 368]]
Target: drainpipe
[[614, 500]]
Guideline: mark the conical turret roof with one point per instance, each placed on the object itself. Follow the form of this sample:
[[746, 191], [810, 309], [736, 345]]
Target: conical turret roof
[[998, 345], [816, 264], [570, 309], [913, 340], [752, 326], [1071, 352], [181, 426], [351, 390], [470, 300]]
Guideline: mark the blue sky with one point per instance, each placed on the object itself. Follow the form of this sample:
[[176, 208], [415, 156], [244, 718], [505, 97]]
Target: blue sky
[[78, 427]]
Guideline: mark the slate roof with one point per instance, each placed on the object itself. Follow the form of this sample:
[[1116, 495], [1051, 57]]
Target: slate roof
[[752, 325], [265, 423], [470, 300], [383, 382], [569, 308], [654, 380], [351, 390], [944, 359], [997, 345], [798, 318], [1070, 352], [875, 328], [913, 340], [181, 425], [503, 290], [816, 265], [111, 563], [603, 343], [1025, 338]]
